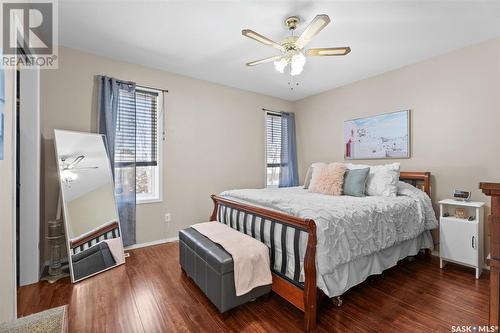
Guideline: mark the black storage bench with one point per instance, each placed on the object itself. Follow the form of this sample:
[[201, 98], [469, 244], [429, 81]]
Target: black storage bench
[[212, 269]]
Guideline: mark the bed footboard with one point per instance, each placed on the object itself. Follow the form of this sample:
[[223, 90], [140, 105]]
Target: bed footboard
[[252, 221]]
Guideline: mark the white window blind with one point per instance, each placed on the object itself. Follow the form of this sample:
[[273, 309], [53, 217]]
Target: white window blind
[[273, 125], [137, 128], [147, 135], [125, 129], [273, 148]]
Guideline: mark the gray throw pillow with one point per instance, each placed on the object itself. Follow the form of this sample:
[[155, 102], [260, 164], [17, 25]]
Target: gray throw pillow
[[355, 182], [308, 177]]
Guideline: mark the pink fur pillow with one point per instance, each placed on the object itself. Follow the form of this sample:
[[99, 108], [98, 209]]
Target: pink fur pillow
[[327, 178]]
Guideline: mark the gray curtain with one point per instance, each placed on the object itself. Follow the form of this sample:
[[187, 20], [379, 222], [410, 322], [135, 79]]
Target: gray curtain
[[288, 169], [122, 164]]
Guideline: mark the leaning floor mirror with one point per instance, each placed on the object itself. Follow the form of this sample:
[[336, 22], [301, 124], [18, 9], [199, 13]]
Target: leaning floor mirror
[[89, 205]]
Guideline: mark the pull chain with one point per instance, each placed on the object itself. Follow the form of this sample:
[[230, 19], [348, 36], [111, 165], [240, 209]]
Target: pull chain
[[291, 84]]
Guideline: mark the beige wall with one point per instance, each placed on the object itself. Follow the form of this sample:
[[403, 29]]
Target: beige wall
[[7, 211], [91, 210], [455, 103], [214, 140]]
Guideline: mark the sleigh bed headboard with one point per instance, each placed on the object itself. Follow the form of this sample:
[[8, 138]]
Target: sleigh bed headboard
[[421, 180]]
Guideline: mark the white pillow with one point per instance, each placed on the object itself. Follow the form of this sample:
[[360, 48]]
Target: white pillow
[[307, 181], [407, 189], [382, 179]]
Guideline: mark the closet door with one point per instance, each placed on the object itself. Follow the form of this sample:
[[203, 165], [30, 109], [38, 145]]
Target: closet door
[[29, 176], [7, 203]]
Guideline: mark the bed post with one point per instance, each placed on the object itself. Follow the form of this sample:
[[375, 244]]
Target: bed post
[[493, 190], [310, 288], [213, 217], [427, 183]]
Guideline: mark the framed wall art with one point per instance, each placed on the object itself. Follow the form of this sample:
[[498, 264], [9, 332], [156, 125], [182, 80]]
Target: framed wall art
[[382, 136]]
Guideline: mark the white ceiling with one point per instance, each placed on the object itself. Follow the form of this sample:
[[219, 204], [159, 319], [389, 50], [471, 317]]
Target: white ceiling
[[202, 39]]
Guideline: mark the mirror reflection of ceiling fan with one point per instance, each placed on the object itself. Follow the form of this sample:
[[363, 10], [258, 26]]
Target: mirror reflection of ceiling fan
[[69, 165], [292, 47], [73, 165]]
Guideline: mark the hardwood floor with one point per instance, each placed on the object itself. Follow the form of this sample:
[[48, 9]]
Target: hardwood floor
[[150, 294]]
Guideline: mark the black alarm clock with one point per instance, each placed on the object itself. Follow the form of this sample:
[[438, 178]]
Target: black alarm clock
[[461, 195]]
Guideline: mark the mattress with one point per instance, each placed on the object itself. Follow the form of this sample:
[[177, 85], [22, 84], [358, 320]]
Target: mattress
[[348, 228]]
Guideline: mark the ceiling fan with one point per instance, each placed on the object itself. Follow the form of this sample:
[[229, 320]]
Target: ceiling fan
[[292, 47], [73, 165], [68, 168]]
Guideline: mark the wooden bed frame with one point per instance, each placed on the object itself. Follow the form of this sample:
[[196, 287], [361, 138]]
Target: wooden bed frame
[[305, 298], [493, 190], [95, 235]]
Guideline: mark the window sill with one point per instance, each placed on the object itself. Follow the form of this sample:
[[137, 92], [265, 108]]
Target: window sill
[[148, 201]]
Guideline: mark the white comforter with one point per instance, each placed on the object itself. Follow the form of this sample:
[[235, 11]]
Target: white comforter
[[349, 227]]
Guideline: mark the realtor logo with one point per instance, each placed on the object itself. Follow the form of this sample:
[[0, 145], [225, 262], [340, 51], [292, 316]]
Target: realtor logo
[[29, 33]]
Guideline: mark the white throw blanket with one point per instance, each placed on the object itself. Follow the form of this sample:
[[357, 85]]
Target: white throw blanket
[[250, 257], [116, 248]]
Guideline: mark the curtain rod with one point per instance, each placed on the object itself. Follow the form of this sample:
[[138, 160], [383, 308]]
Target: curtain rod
[[137, 84], [267, 110], [147, 87]]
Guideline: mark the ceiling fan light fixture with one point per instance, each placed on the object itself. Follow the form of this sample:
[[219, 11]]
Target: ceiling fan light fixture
[[68, 176], [295, 59], [297, 63], [280, 65]]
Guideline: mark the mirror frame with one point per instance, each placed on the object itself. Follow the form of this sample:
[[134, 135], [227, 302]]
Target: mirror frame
[[62, 203]]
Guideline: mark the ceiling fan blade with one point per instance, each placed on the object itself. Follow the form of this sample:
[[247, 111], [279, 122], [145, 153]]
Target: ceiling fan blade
[[86, 168], [329, 51], [316, 25], [75, 161], [261, 61], [261, 39]]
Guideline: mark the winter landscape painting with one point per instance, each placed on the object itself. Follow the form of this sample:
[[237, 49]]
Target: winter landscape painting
[[383, 136]]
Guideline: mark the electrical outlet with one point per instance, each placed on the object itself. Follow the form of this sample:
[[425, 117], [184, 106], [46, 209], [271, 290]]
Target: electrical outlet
[[168, 217]]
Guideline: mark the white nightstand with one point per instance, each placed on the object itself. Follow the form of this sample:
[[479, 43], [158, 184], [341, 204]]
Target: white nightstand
[[461, 240]]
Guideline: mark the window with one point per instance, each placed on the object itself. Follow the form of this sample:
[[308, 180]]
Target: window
[[141, 132], [148, 143], [273, 149]]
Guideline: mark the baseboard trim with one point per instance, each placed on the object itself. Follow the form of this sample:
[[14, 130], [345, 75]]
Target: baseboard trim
[[152, 243]]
